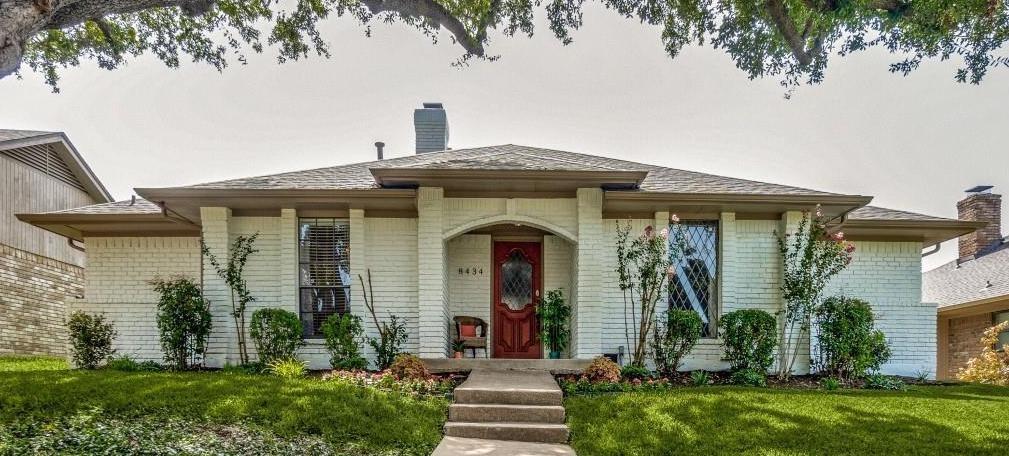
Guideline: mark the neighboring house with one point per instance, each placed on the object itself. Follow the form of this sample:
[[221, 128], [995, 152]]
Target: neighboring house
[[972, 291], [39, 271], [484, 232]]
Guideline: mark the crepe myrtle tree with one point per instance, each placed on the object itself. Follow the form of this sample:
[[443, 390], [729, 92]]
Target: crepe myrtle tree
[[811, 256], [787, 39]]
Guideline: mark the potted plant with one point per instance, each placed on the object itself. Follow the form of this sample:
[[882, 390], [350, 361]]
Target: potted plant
[[458, 346], [554, 315]]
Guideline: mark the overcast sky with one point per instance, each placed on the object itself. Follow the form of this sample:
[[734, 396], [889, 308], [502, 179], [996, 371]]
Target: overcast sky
[[914, 143]]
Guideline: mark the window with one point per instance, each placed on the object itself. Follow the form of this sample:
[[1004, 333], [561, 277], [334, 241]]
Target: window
[[1003, 337], [324, 271], [694, 285]]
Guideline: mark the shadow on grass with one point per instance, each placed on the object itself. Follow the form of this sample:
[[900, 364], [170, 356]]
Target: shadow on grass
[[341, 413], [958, 420]]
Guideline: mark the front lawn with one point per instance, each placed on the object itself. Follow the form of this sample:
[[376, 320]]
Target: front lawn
[[733, 420], [45, 411]]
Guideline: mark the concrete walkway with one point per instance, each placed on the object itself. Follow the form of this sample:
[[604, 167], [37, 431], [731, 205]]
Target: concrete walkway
[[506, 412]]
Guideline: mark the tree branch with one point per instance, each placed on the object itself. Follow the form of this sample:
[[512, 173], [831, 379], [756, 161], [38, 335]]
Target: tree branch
[[796, 41], [434, 13]]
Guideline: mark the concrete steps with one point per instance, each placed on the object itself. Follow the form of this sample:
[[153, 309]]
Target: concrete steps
[[509, 405], [490, 413], [524, 432]]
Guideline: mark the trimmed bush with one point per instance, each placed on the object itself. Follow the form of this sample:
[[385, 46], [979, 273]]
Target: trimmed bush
[[749, 377], [90, 339], [750, 336], [343, 342], [277, 334], [602, 370], [631, 372], [674, 339], [183, 322], [407, 366], [848, 345]]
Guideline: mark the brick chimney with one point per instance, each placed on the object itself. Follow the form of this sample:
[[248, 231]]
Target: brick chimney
[[980, 206], [431, 125]]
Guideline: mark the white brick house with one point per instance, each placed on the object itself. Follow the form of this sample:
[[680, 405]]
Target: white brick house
[[441, 232]]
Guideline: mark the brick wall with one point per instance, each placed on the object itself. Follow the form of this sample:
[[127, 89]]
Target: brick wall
[[468, 258], [117, 278], [965, 340], [34, 292]]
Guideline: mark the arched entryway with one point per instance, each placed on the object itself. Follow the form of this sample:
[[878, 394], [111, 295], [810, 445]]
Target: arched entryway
[[497, 271]]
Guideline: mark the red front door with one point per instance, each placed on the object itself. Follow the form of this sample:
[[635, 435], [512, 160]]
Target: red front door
[[517, 289]]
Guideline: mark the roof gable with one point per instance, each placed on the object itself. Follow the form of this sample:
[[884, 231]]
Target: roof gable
[[53, 154]]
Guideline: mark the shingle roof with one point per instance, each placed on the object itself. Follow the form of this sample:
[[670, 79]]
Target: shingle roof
[[13, 135], [141, 206], [882, 213], [952, 284], [509, 157]]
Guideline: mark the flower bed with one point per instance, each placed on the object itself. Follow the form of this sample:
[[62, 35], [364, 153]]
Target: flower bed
[[580, 384], [434, 385]]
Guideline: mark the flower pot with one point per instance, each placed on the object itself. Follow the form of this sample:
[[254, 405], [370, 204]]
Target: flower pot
[[458, 355], [555, 355]]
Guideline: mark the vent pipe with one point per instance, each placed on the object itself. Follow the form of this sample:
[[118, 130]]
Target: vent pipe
[[379, 148]]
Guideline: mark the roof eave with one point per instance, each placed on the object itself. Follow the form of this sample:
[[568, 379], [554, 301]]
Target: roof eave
[[77, 226], [928, 232]]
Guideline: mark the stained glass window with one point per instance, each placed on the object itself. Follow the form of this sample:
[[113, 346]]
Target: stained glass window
[[694, 285], [516, 281], [324, 271]]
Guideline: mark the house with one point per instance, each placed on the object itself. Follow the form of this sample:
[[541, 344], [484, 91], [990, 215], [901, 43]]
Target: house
[[972, 292], [39, 271], [484, 232]]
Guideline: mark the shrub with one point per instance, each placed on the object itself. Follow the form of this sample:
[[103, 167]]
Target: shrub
[[288, 368], [848, 346], [749, 336], [554, 316], [830, 383], [700, 378], [675, 339], [407, 366], [387, 347], [343, 341], [276, 333], [631, 372], [183, 321], [127, 364], [90, 339], [884, 382], [992, 365], [602, 370], [749, 377]]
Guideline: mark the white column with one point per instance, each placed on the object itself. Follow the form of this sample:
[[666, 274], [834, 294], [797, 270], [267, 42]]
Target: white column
[[587, 322], [222, 346], [431, 294], [289, 260], [728, 264]]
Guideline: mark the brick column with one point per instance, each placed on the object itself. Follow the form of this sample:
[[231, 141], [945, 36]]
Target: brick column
[[431, 294], [289, 279], [222, 348], [789, 223], [587, 322]]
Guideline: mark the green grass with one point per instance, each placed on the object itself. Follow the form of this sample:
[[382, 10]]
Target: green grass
[[353, 419], [31, 363], [732, 420]]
